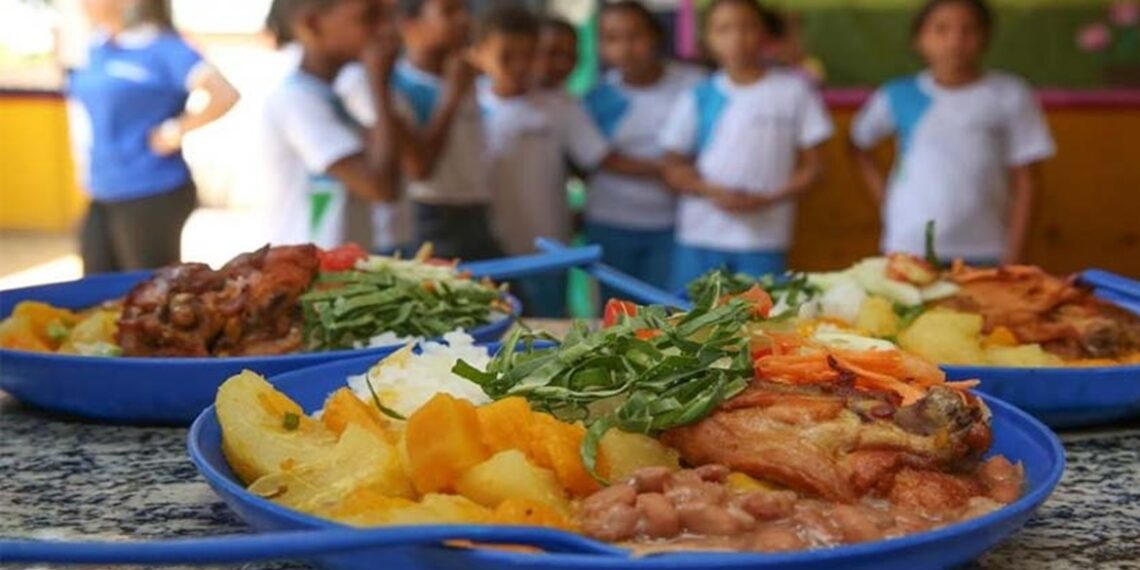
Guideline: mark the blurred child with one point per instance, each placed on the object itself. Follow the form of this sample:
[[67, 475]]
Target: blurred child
[[557, 54], [528, 134], [633, 217], [443, 149], [969, 142], [743, 147], [313, 154]]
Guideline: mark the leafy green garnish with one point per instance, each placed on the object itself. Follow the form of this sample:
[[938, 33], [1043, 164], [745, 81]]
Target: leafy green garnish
[[932, 255], [57, 331], [349, 308], [908, 313], [792, 289], [379, 405], [291, 421], [618, 378]]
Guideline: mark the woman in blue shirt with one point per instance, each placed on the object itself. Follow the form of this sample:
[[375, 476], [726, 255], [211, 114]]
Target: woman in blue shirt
[[134, 89]]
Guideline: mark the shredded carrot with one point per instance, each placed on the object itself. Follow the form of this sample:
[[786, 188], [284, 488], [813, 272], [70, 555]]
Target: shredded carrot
[[793, 360]]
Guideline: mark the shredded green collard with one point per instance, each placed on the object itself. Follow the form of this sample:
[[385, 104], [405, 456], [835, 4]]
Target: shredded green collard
[[347, 309]]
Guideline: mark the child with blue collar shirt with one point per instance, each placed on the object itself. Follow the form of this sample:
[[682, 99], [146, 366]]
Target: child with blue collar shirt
[[743, 147], [970, 141]]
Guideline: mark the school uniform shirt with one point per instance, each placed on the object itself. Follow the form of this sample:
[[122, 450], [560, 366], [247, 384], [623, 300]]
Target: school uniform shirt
[[305, 129], [132, 83], [744, 137], [391, 222], [528, 140], [630, 117], [956, 147]]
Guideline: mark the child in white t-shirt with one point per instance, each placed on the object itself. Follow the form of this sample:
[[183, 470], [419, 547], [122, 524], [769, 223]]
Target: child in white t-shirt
[[969, 142], [633, 217], [743, 147], [528, 135], [312, 154]]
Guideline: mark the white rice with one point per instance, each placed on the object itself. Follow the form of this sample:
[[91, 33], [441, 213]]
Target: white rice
[[405, 381]]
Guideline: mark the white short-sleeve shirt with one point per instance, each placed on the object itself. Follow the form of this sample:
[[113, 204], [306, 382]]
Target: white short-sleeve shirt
[[528, 141], [391, 222], [956, 147], [744, 137], [304, 130], [631, 118]]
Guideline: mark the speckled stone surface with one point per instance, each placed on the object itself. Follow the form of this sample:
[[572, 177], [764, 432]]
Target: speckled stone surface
[[63, 478]]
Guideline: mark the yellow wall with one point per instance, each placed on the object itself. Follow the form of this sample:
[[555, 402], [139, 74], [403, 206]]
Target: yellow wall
[[37, 177], [1088, 214]]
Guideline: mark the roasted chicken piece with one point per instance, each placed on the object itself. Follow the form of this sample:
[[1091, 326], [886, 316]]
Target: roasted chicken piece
[[1066, 318], [249, 306], [834, 442]]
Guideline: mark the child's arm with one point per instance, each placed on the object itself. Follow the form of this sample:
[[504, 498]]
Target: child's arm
[[425, 146], [870, 172], [374, 174], [681, 174], [625, 165], [808, 172], [1024, 182]]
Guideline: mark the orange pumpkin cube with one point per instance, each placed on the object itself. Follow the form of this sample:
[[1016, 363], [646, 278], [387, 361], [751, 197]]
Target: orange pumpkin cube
[[443, 440]]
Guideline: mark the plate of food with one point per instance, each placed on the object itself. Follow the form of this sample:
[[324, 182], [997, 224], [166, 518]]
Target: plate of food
[[667, 440], [1063, 348], [153, 347]]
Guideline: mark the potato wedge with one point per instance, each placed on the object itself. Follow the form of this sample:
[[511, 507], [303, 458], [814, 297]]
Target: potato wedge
[[621, 453], [945, 337], [257, 437], [360, 460], [510, 475], [366, 507]]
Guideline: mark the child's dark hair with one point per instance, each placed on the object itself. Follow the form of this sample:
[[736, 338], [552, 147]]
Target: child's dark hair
[[772, 21], [560, 25], [980, 8], [277, 23], [639, 10], [509, 20], [410, 8]]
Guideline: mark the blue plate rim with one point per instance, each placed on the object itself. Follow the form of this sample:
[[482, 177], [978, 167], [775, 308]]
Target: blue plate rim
[[1023, 506]]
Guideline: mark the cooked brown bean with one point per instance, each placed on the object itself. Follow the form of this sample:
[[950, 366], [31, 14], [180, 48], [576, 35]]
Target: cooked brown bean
[[709, 520], [747, 521], [687, 488], [768, 505], [713, 473], [615, 523], [777, 539], [620, 494], [856, 524], [659, 519], [651, 479]]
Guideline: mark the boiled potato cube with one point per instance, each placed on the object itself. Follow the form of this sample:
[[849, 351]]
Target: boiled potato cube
[[945, 337], [510, 475], [17, 333], [360, 460], [877, 317], [263, 431], [1023, 356], [98, 327], [524, 512], [621, 453], [443, 441]]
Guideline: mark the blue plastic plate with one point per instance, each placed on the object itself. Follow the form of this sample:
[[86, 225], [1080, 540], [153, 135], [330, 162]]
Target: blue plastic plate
[[1016, 435], [144, 390]]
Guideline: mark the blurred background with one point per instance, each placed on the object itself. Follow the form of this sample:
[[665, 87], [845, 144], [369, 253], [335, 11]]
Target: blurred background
[[1083, 56]]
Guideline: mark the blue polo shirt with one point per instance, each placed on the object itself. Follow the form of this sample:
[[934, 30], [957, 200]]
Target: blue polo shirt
[[133, 83]]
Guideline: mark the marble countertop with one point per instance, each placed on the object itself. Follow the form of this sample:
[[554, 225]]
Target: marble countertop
[[65, 478]]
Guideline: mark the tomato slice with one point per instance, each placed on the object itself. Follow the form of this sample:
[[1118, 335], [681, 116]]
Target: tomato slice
[[342, 258], [615, 310], [760, 300]]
